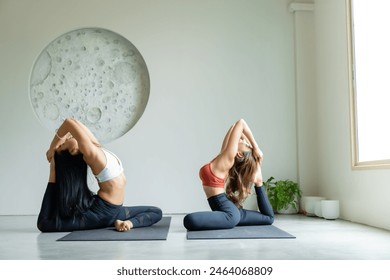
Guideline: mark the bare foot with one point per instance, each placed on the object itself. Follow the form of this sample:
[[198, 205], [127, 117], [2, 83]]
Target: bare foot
[[123, 225]]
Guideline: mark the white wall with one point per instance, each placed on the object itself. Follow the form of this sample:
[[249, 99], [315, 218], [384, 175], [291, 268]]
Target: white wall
[[210, 63], [363, 194]]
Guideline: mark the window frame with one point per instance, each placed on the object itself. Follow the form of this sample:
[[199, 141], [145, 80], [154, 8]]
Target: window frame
[[356, 163]]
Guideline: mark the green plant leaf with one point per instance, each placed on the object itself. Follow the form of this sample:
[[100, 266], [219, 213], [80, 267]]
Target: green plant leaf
[[282, 193]]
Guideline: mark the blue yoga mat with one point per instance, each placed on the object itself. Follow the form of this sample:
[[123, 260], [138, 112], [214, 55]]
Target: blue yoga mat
[[158, 231]]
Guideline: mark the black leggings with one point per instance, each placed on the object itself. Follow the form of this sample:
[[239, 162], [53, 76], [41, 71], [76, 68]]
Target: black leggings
[[225, 214], [101, 214]]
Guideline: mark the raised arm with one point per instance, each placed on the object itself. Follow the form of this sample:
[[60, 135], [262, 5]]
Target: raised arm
[[87, 143], [247, 134], [226, 139], [240, 129], [258, 180], [88, 132]]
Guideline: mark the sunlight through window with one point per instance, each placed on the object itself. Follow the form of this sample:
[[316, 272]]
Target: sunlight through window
[[371, 96]]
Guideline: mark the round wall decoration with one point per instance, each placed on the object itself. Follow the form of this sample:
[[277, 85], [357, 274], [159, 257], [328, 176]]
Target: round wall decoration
[[94, 75]]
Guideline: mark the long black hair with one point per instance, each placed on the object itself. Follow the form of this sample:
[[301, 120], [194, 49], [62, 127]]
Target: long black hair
[[74, 195]]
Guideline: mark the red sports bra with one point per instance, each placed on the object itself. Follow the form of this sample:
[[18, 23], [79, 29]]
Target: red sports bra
[[209, 179]]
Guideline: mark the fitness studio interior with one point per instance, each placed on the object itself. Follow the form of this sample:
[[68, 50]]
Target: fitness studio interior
[[282, 65]]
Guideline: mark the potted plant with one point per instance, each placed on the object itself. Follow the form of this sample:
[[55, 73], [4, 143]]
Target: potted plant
[[283, 195]]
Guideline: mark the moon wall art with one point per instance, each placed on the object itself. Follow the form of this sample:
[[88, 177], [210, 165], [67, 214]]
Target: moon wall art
[[94, 75]]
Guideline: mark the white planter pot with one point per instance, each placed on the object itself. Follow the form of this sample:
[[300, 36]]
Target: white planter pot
[[308, 204], [330, 209], [318, 209]]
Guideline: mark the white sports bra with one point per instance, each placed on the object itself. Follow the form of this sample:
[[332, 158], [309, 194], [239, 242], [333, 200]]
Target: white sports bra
[[112, 169]]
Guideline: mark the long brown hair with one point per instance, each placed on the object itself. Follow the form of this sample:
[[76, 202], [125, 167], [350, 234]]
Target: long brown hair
[[241, 178]]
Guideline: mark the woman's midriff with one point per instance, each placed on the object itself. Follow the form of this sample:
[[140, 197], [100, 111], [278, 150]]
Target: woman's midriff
[[212, 191], [113, 191]]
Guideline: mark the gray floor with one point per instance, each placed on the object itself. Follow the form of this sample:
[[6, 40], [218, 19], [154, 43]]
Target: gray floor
[[316, 239]]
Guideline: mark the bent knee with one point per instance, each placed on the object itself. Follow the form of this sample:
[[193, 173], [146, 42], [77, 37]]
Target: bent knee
[[156, 211], [189, 222], [194, 221]]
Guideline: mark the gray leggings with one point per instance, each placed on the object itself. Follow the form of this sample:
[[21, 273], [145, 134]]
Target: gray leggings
[[225, 214]]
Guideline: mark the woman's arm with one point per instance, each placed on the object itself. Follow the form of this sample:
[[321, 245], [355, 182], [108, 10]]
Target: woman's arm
[[76, 129], [243, 137], [225, 159], [247, 134], [55, 144], [240, 129], [87, 143], [258, 181], [88, 132], [226, 139]]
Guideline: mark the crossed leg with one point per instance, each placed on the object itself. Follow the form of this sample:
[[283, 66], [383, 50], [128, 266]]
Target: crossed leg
[[137, 216]]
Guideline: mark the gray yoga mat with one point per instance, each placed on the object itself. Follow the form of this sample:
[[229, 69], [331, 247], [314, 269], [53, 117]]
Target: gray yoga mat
[[158, 231], [241, 232]]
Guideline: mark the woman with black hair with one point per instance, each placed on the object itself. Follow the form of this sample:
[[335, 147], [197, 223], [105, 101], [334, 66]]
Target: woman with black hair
[[68, 203]]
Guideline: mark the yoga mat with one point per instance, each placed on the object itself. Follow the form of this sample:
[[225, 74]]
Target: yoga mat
[[158, 231], [241, 232]]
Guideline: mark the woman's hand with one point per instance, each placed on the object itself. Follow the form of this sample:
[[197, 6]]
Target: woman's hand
[[258, 154], [50, 154]]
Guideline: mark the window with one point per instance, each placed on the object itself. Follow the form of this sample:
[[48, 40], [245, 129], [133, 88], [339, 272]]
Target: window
[[369, 53]]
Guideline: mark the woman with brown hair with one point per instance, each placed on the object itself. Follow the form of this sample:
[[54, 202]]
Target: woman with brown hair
[[238, 167]]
